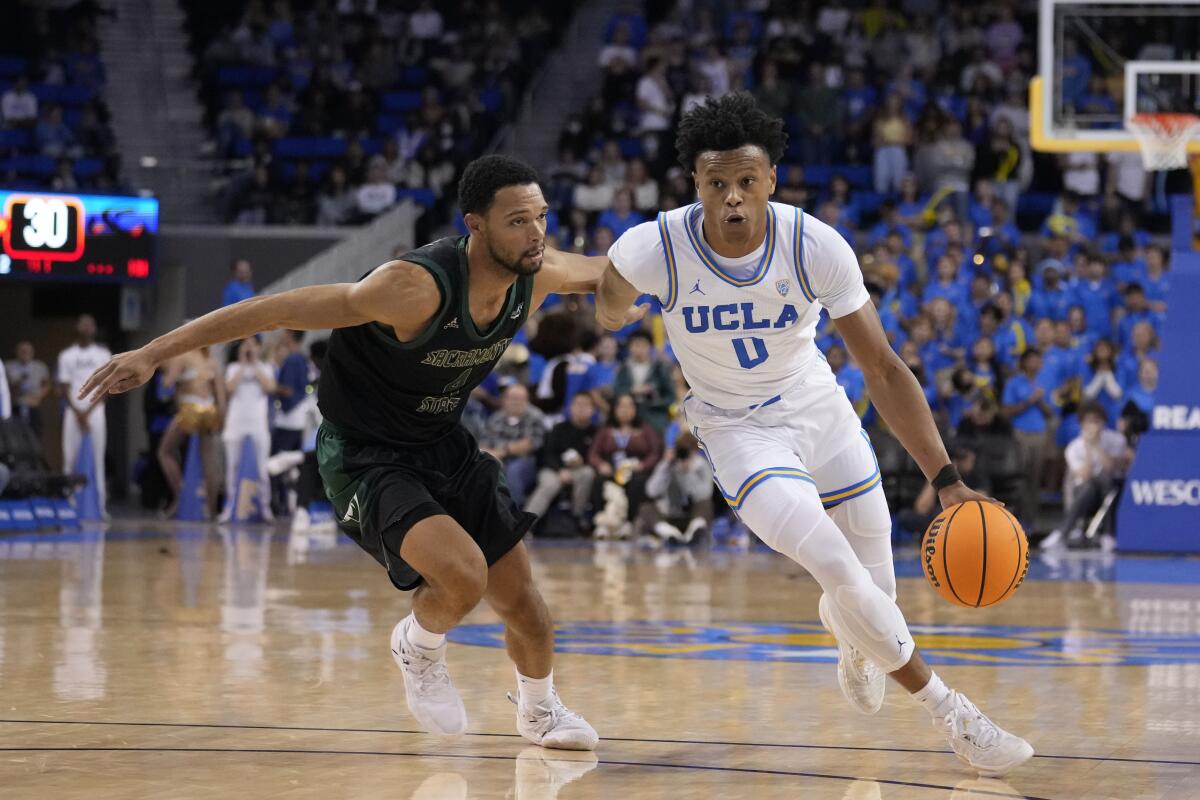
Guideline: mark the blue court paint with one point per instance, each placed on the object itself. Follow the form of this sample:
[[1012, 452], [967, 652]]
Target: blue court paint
[[807, 642]]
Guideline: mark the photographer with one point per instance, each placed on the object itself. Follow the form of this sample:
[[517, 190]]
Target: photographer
[[680, 489]]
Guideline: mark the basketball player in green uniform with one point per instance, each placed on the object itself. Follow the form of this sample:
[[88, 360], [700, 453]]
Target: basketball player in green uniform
[[409, 484]]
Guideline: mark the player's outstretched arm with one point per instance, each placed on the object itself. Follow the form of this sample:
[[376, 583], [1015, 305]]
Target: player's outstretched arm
[[398, 294], [614, 299], [896, 393], [571, 273]]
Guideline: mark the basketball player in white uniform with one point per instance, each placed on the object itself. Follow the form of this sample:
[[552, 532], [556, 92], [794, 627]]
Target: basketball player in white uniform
[[742, 282]]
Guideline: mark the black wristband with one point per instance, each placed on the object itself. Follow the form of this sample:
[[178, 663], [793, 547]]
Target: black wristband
[[947, 476]]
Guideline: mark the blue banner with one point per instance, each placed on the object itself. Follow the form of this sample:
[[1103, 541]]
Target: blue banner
[[1160, 509]]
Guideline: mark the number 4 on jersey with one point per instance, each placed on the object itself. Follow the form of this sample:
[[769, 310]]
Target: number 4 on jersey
[[747, 359]]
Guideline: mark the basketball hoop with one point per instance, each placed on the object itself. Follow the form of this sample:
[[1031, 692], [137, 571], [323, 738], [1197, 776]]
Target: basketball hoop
[[1164, 138]]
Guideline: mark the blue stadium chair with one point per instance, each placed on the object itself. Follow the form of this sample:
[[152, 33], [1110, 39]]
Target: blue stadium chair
[[387, 124], [868, 202], [637, 29], [492, 100], [310, 147], [401, 102], [242, 77], [286, 170], [1036, 204], [242, 148], [72, 117], [423, 196], [734, 17], [12, 66], [85, 168], [630, 147], [860, 177], [38, 166], [75, 95], [818, 175], [17, 139], [414, 76], [372, 147]]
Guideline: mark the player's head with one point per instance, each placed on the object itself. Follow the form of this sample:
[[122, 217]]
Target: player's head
[[731, 147], [503, 208], [85, 328]]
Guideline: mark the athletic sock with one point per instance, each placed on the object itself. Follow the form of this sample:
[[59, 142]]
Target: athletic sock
[[419, 637], [534, 691], [935, 697]]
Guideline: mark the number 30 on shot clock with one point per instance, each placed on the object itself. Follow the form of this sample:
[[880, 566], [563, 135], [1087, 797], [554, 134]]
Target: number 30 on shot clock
[[44, 227]]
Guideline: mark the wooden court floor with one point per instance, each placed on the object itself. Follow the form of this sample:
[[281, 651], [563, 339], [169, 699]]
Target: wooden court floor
[[163, 661]]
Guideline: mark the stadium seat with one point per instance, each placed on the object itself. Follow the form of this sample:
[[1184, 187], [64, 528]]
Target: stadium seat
[[17, 138], [637, 29], [310, 147], [87, 168], [30, 165], [13, 66], [402, 102], [241, 77]]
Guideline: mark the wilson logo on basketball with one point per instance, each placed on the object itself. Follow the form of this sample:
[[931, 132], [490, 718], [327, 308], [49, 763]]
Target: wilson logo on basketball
[[931, 548]]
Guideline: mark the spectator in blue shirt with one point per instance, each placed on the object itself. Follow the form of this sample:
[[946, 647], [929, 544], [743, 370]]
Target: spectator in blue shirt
[[1128, 268], [1143, 344], [947, 284], [911, 205], [53, 137], [1076, 73], [1100, 383], [621, 217], [1065, 357], [1141, 394], [1070, 220], [1000, 233], [1052, 300], [1097, 295], [989, 376], [1082, 338], [1156, 283], [291, 387], [1026, 403], [888, 224], [241, 283], [1137, 309]]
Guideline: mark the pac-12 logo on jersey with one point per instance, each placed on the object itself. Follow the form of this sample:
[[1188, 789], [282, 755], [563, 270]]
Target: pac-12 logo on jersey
[[783, 286], [735, 317]]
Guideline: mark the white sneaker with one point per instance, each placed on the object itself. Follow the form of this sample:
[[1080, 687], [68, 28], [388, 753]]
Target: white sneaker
[[980, 743], [431, 696], [551, 724], [541, 778], [863, 683], [667, 532], [301, 522], [1055, 541], [694, 527]]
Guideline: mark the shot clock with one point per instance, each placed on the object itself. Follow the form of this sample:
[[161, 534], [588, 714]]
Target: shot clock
[[66, 237]]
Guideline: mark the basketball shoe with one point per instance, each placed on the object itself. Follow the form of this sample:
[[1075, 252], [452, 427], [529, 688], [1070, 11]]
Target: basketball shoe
[[431, 696], [551, 724], [980, 743], [862, 682]]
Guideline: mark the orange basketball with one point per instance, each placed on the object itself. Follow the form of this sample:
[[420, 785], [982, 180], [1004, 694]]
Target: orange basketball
[[975, 554]]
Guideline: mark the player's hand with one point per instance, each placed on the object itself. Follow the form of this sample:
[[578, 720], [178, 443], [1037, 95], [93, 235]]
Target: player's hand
[[960, 493], [123, 372]]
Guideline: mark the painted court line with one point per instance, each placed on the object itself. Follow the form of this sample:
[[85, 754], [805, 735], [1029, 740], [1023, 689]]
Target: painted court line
[[460, 756], [715, 742]]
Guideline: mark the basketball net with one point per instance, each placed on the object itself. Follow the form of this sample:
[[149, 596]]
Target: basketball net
[[1164, 138]]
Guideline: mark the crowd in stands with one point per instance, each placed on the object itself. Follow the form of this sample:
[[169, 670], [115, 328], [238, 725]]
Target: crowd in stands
[[54, 131], [1024, 290], [333, 112]]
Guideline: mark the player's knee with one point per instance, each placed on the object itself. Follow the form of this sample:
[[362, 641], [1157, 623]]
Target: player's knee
[[862, 614], [782, 516], [462, 581]]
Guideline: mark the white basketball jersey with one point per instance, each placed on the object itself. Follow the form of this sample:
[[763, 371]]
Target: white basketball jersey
[[744, 334]]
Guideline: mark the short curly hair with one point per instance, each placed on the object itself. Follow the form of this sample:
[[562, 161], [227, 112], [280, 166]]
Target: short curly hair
[[726, 123], [487, 175]]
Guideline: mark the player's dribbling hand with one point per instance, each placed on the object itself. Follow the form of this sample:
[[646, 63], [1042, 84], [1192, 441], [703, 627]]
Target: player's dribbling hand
[[960, 493], [123, 372]]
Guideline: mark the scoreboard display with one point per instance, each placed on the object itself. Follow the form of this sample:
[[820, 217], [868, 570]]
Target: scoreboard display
[[77, 237]]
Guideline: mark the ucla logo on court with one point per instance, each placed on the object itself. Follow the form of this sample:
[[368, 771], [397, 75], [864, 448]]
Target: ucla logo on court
[[783, 286], [809, 642]]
